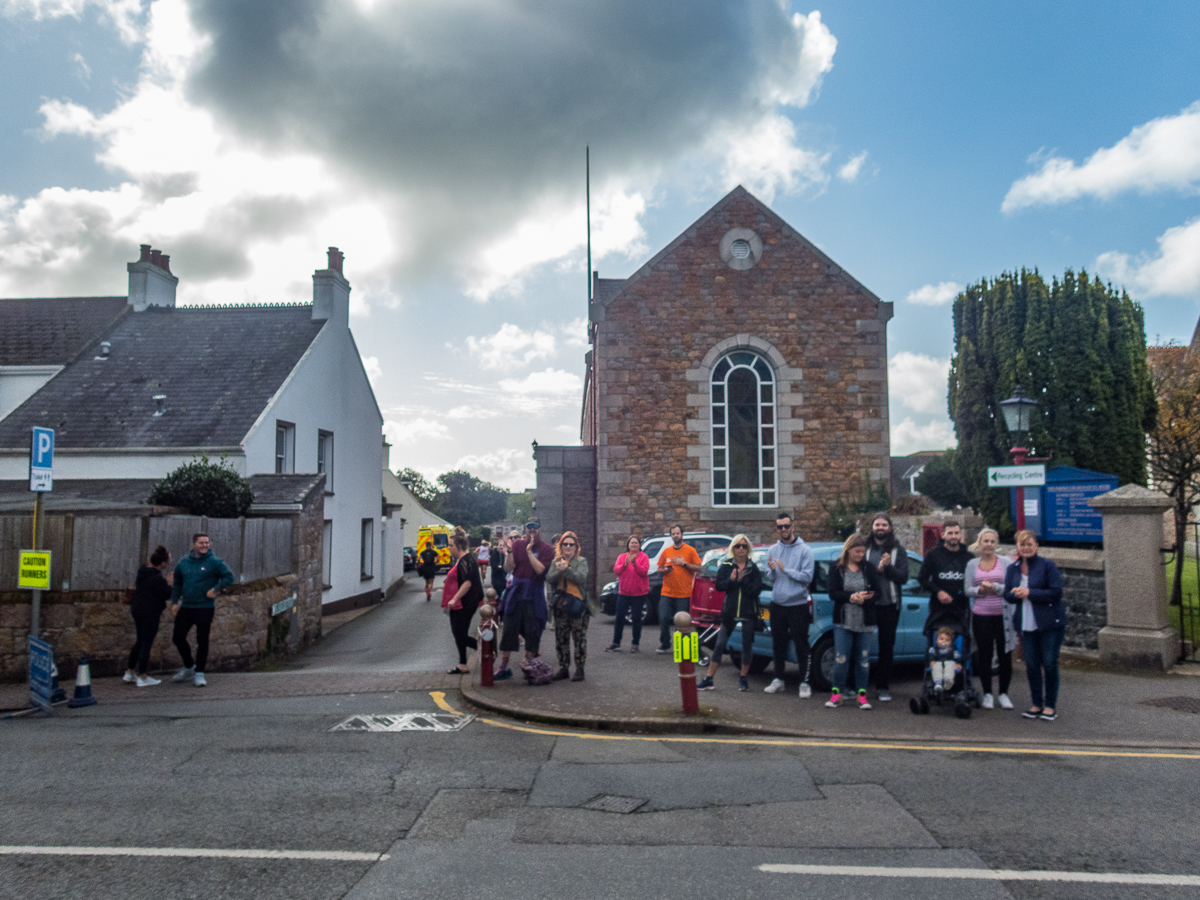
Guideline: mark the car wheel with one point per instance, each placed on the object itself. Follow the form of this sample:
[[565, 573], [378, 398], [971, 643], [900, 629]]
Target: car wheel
[[821, 676], [735, 658], [962, 710], [759, 664]]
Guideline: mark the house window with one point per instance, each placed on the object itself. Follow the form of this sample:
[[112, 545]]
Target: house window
[[367, 551], [327, 555], [743, 430], [325, 458], [285, 448]]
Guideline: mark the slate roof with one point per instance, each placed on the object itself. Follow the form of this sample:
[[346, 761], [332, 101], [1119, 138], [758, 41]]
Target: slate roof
[[217, 366], [280, 490], [53, 331]]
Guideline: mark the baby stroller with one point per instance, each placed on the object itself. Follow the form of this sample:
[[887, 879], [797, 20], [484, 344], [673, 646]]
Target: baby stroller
[[961, 692]]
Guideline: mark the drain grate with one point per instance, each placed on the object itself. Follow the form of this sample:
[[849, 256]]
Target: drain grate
[[1181, 704], [414, 721], [610, 803]]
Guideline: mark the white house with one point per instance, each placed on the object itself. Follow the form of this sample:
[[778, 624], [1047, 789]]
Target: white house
[[272, 389]]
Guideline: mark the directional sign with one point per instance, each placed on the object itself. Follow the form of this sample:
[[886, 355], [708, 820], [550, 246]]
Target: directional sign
[[41, 460], [1016, 476], [34, 571]]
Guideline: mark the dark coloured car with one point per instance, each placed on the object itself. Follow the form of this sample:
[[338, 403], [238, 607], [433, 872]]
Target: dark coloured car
[[410, 558]]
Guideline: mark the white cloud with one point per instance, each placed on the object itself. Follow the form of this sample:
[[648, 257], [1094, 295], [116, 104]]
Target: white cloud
[[125, 15], [550, 382], [849, 172], [765, 158], [909, 437], [374, 370], [1174, 271], [1161, 154], [511, 346], [513, 470], [415, 430], [918, 381], [935, 294]]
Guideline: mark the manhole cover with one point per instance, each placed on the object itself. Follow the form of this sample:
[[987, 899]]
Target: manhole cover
[[609, 803], [1181, 704], [404, 722]]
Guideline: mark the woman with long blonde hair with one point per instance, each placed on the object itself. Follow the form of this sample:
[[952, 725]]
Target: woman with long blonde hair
[[742, 582], [991, 617]]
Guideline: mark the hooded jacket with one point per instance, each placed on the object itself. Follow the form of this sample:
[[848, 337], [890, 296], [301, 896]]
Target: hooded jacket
[[195, 576]]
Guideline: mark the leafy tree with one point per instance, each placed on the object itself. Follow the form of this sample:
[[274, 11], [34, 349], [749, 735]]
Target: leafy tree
[[1174, 444], [520, 506], [842, 516], [1076, 346], [938, 482], [468, 501], [418, 486], [204, 488]]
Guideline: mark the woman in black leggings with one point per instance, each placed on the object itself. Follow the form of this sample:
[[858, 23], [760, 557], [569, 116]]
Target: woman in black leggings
[[149, 600], [466, 599]]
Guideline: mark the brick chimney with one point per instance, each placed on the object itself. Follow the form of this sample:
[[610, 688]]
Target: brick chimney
[[150, 280], [331, 291]]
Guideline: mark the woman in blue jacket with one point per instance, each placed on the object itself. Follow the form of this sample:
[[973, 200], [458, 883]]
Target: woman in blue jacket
[[1033, 584]]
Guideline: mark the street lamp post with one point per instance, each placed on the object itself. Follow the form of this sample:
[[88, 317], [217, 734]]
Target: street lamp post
[[1018, 411]]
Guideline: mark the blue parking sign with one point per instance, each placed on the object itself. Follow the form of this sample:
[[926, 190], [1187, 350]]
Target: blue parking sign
[[41, 459]]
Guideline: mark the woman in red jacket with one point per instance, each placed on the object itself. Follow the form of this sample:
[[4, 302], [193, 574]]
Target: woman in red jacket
[[633, 584]]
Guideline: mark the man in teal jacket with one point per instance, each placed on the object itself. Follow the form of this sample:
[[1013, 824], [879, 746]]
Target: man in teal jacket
[[199, 577]]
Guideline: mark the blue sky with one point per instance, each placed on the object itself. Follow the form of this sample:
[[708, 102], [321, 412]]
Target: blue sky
[[922, 146]]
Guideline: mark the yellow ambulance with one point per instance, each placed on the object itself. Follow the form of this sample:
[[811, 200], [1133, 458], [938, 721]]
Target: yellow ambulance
[[437, 536]]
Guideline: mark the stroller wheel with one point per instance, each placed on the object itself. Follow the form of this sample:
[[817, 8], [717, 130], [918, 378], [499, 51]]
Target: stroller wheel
[[914, 706], [962, 710]]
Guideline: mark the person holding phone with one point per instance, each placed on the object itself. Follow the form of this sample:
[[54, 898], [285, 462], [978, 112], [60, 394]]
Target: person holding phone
[[853, 587]]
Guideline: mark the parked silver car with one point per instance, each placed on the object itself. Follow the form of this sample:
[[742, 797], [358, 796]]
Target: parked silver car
[[653, 547]]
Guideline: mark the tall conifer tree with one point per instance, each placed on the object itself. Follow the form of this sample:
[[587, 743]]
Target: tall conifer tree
[[1077, 347]]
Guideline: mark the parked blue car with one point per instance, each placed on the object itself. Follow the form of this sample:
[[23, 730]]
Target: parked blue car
[[910, 638]]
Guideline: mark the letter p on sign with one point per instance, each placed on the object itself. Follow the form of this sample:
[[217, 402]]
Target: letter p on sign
[[41, 459]]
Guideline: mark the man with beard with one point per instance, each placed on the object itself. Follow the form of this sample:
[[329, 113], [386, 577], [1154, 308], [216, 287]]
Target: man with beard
[[886, 554]]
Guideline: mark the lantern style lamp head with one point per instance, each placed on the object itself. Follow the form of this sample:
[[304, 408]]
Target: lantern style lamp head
[[1018, 413]]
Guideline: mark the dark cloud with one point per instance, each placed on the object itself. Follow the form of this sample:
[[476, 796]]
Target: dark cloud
[[470, 112]]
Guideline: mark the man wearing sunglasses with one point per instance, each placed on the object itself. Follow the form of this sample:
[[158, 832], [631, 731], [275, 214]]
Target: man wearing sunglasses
[[790, 560]]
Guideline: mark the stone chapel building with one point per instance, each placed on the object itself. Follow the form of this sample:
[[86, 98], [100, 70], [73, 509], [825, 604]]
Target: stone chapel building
[[737, 374]]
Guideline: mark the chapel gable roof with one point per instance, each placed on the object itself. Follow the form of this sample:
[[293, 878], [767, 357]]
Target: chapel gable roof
[[218, 368], [53, 330], [606, 290]]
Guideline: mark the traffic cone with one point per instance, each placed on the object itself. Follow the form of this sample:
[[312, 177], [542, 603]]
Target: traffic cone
[[57, 694], [83, 686]]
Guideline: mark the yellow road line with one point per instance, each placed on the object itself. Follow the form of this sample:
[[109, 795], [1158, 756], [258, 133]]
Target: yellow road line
[[439, 697], [829, 744]]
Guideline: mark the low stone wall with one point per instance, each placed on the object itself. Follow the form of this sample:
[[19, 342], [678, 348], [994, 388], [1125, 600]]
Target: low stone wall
[[97, 624], [908, 529], [1083, 592]]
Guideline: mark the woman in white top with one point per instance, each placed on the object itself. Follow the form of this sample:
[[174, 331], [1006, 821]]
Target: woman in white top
[[991, 617]]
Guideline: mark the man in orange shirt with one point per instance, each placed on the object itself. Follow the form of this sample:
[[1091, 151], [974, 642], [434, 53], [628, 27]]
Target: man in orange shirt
[[679, 564]]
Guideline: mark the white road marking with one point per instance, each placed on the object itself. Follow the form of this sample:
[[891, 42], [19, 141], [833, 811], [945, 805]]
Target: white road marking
[[195, 853], [983, 874]]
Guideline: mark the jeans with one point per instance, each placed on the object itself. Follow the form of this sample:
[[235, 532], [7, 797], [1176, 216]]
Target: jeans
[[1041, 664], [184, 620], [790, 623], [667, 607], [886, 619], [633, 606], [147, 630], [847, 646], [989, 639]]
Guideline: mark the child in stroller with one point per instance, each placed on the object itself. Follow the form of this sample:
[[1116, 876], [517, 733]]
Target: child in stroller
[[948, 676]]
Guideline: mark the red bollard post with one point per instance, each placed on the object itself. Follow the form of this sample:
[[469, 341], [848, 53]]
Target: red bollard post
[[685, 646], [487, 644]]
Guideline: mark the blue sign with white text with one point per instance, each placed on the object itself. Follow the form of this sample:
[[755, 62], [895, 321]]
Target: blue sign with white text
[[41, 459], [41, 667], [1059, 510]]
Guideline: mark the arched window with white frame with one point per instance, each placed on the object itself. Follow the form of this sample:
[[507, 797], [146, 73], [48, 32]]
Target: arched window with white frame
[[743, 430]]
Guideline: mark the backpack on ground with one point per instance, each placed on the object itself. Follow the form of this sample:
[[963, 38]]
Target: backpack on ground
[[536, 671]]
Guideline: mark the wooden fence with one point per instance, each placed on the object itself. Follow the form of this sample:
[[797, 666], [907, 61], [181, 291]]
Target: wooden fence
[[99, 553]]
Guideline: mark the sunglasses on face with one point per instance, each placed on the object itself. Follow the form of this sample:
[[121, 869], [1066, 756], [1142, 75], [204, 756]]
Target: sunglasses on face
[[782, 527], [741, 547], [568, 543]]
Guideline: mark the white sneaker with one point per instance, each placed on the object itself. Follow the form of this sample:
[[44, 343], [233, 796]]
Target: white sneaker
[[146, 681], [885, 697], [129, 677], [774, 687], [805, 691], [198, 680], [1005, 703], [988, 702], [184, 674]]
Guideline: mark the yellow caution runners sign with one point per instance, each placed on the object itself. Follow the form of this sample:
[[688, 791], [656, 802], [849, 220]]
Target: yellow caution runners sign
[[34, 573]]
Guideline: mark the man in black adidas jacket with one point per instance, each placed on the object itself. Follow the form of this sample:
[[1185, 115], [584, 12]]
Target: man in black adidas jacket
[[942, 573]]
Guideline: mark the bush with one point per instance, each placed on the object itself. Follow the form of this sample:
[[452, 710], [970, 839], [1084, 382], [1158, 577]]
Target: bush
[[842, 516], [205, 489], [940, 484]]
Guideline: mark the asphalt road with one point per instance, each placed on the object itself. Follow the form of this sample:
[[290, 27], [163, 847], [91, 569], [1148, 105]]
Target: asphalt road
[[500, 809]]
